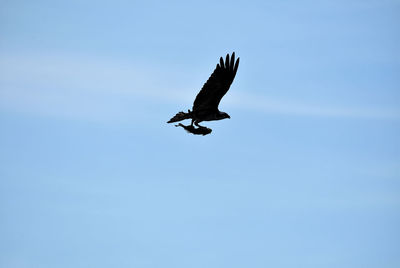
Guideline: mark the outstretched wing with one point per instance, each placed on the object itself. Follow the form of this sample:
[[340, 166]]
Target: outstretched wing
[[217, 85]]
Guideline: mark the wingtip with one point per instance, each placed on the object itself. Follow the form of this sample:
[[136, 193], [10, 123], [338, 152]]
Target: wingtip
[[236, 66], [229, 61]]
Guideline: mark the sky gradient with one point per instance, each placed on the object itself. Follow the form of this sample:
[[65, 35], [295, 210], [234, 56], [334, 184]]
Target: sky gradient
[[306, 173]]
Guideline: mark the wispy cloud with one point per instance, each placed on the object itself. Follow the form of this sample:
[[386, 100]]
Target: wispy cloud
[[81, 88], [293, 108], [101, 89]]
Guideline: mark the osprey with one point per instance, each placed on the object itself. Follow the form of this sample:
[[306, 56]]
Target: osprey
[[205, 106]]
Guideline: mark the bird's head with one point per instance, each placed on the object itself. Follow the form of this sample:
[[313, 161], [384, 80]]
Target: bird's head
[[223, 115]]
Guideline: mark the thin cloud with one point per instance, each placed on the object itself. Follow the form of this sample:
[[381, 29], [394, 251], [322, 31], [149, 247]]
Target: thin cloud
[[292, 108], [105, 90]]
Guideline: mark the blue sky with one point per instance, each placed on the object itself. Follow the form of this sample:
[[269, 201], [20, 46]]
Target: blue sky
[[306, 173]]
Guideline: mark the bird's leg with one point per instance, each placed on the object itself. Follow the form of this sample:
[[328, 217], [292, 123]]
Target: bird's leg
[[192, 123], [197, 124], [201, 129]]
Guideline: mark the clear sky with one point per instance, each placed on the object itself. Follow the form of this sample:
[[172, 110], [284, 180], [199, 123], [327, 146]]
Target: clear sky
[[306, 173]]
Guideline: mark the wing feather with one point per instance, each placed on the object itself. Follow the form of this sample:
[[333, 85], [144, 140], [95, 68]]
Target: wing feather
[[217, 85], [232, 62]]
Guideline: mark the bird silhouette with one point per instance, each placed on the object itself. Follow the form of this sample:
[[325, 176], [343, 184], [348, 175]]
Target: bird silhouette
[[205, 106]]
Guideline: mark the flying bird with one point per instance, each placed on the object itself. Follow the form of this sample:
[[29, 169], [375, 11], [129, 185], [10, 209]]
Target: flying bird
[[205, 106]]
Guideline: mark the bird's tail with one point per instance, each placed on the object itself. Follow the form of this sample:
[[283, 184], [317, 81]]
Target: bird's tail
[[181, 116]]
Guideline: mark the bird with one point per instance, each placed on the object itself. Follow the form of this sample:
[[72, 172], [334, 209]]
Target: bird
[[205, 106]]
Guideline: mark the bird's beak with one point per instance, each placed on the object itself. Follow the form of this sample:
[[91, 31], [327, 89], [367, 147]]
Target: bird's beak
[[229, 117]]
